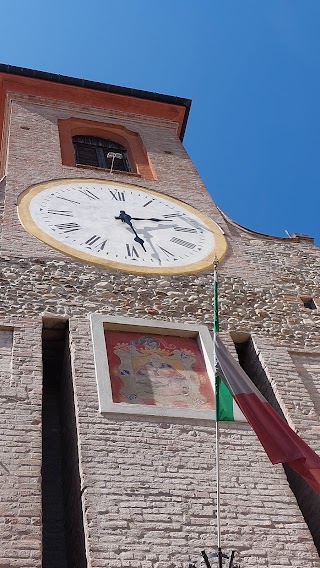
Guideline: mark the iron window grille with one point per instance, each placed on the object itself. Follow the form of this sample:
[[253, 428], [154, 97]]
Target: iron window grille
[[100, 153]]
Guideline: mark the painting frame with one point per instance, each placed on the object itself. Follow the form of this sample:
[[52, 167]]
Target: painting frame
[[101, 324]]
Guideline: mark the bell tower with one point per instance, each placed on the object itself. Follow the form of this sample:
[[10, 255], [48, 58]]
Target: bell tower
[[108, 239]]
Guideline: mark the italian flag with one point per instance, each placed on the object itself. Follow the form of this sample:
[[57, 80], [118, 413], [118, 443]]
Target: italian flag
[[280, 442], [226, 406]]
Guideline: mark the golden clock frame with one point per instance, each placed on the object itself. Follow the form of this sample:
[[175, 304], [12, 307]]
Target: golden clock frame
[[23, 207]]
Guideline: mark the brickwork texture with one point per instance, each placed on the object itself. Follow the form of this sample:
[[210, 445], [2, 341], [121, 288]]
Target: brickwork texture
[[148, 484]]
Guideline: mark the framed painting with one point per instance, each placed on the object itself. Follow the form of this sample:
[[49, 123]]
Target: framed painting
[[153, 368]]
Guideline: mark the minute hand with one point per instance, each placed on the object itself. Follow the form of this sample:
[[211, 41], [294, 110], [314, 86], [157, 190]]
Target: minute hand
[[149, 219]]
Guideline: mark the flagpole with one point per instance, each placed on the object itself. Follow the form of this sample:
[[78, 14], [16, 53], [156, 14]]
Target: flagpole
[[216, 381]]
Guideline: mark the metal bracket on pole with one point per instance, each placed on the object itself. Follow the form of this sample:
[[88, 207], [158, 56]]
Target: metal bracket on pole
[[220, 557], [231, 559], [205, 558], [209, 560]]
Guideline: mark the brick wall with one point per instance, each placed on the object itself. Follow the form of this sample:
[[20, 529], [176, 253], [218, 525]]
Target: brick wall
[[20, 441], [148, 485]]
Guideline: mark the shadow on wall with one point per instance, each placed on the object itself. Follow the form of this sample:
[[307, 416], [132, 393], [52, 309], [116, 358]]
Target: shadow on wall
[[63, 544], [307, 499]]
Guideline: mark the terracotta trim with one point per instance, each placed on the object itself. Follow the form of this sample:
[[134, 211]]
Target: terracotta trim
[[137, 154], [89, 97], [13, 71]]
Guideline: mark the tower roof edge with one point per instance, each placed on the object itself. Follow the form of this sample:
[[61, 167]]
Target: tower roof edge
[[104, 87]]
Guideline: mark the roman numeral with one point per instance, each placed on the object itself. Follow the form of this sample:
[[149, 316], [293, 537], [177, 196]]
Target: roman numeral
[[66, 199], [183, 243], [68, 227], [184, 229], [64, 213], [148, 202], [132, 251], [96, 242], [167, 252], [88, 193], [174, 215], [117, 195]]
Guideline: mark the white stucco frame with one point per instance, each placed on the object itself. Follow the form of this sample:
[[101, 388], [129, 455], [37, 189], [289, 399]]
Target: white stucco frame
[[99, 323]]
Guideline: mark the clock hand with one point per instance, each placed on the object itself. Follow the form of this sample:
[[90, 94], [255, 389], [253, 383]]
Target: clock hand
[[195, 224], [148, 219], [125, 218]]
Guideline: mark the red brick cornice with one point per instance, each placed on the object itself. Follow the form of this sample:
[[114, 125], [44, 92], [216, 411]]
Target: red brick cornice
[[90, 97]]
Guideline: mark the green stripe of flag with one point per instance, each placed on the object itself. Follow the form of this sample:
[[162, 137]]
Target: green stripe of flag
[[224, 401]]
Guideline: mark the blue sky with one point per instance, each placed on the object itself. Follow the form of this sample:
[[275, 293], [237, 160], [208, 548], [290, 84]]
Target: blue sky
[[252, 69]]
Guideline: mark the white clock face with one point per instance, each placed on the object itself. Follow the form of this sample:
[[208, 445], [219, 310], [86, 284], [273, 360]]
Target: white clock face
[[120, 225]]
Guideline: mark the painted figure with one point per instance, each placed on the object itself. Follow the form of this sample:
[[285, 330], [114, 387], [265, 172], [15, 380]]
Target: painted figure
[[158, 370]]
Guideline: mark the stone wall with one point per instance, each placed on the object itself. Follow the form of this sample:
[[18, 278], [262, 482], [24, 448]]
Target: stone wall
[[148, 485]]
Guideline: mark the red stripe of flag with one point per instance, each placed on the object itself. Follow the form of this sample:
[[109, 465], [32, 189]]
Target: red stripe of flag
[[280, 442]]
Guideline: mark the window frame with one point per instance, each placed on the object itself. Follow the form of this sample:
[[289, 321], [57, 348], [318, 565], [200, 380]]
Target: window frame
[[100, 152], [136, 153]]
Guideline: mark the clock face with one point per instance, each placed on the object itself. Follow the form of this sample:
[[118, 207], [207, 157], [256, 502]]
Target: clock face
[[121, 226]]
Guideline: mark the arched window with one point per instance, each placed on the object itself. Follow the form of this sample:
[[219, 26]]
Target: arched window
[[100, 153]]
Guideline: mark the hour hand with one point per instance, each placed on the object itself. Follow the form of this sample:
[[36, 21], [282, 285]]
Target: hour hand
[[140, 241], [125, 218]]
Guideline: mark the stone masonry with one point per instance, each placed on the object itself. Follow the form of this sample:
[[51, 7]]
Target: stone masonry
[[148, 484]]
